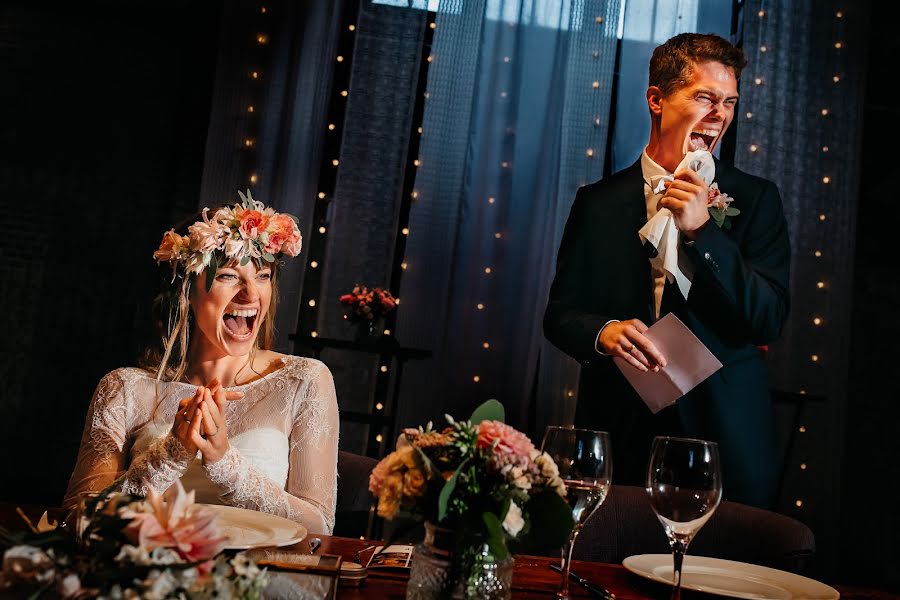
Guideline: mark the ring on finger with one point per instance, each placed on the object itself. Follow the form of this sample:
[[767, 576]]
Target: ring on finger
[[632, 349], [210, 434]]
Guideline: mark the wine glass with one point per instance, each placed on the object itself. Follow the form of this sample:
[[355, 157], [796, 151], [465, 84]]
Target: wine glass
[[684, 483], [585, 465]]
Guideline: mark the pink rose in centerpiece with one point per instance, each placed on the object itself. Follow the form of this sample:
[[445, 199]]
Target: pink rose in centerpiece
[[508, 439], [173, 521]]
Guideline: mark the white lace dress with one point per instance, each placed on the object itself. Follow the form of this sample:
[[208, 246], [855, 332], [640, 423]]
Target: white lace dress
[[283, 437]]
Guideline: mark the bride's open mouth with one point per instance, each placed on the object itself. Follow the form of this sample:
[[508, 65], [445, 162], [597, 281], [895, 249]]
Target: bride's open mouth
[[240, 323]]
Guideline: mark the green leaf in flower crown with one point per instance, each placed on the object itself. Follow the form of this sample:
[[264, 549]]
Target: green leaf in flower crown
[[269, 257], [489, 411], [245, 260], [550, 520], [447, 491], [732, 212], [495, 540]]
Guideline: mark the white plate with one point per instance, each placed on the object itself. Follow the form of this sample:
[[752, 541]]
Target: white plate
[[730, 578], [253, 529]]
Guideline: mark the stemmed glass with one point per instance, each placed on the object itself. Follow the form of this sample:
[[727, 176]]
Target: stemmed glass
[[684, 483], [585, 465]]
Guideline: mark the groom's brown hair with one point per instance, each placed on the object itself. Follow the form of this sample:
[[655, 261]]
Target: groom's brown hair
[[672, 61]]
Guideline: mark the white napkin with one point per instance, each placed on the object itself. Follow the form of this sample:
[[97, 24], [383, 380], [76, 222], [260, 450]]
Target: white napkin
[[662, 232]]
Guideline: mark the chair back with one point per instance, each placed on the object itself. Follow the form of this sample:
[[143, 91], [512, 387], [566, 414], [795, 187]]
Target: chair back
[[353, 495], [626, 525]]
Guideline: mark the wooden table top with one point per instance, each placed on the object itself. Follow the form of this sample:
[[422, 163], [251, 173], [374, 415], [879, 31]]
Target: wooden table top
[[532, 576]]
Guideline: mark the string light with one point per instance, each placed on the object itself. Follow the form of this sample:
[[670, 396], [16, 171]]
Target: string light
[[420, 130], [263, 9], [476, 379], [596, 85], [799, 503], [313, 334], [403, 265], [820, 285], [590, 153], [491, 200], [487, 270], [378, 438], [824, 148], [253, 178], [839, 14], [817, 321], [322, 229], [351, 27], [498, 235], [486, 346], [824, 112], [414, 194], [762, 48], [802, 466], [826, 179], [335, 162], [254, 74], [250, 109], [416, 162], [479, 306], [802, 429], [321, 195], [836, 78], [314, 264], [818, 253], [814, 358], [262, 39], [340, 58], [387, 332], [838, 45], [433, 25], [761, 14], [344, 93], [249, 143], [405, 231], [430, 58], [379, 406], [384, 369], [753, 148], [506, 59], [758, 81], [749, 115], [822, 217], [331, 127]]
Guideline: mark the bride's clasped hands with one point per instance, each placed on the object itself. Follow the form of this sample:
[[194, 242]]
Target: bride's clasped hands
[[200, 423]]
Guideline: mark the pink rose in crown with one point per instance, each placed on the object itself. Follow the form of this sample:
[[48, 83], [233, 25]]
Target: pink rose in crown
[[508, 440], [284, 236], [253, 223], [172, 520]]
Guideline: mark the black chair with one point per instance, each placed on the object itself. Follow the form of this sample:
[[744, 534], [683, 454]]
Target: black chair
[[625, 525], [353, 496]]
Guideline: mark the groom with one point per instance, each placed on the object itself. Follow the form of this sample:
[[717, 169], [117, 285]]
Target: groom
[[606, 291]]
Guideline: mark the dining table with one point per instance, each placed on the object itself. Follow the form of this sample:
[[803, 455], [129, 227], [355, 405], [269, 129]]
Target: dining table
[[533, 576]]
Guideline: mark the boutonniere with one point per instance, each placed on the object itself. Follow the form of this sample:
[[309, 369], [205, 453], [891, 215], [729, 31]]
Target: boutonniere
[[719, 206]]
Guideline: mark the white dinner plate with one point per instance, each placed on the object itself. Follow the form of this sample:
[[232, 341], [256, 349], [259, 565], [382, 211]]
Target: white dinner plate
[[253, 529], [730, 578]]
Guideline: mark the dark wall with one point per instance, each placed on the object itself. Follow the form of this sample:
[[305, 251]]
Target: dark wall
[[105, 111], [870, 521]]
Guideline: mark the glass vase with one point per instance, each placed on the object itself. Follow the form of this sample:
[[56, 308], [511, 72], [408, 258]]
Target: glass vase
[[368, 332], [444, 568]]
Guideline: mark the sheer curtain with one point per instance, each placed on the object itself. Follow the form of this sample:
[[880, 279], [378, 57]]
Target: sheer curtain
[[516, 119]]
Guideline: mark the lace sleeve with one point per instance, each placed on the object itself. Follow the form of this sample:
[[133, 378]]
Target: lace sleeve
[[309, 497], [101, 455]]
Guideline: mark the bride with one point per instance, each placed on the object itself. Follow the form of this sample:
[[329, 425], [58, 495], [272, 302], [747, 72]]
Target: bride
[[236, 422]]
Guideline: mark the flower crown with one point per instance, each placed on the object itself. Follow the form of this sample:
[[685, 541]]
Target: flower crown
[[244, 232]]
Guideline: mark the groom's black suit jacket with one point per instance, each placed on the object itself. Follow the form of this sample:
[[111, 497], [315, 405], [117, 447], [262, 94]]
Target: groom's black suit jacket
[[738, 301]]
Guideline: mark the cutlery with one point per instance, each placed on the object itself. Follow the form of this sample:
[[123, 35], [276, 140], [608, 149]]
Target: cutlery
[[594, 589], [314, 545]]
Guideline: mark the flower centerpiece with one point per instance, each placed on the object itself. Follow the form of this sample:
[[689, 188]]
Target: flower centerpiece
[[366, 308], [482, 489], [126, 546]]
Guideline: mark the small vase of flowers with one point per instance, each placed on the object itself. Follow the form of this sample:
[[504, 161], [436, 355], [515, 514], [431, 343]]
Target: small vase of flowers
[[366, 308], [480, 486]]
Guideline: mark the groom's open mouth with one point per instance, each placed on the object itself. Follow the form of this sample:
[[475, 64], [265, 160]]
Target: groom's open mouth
[[239, 322], [703, 139]]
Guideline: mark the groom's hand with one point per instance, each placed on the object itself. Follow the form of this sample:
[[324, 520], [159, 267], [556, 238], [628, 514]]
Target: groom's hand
[[688, 198], [626, 340]]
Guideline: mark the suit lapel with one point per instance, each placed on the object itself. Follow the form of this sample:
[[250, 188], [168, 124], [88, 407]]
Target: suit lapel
[[634, 212]]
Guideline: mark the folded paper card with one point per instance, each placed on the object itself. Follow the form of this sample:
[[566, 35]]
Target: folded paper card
[[688, 362]]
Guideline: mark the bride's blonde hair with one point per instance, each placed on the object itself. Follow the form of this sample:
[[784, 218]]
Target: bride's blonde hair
[[174, 322]]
